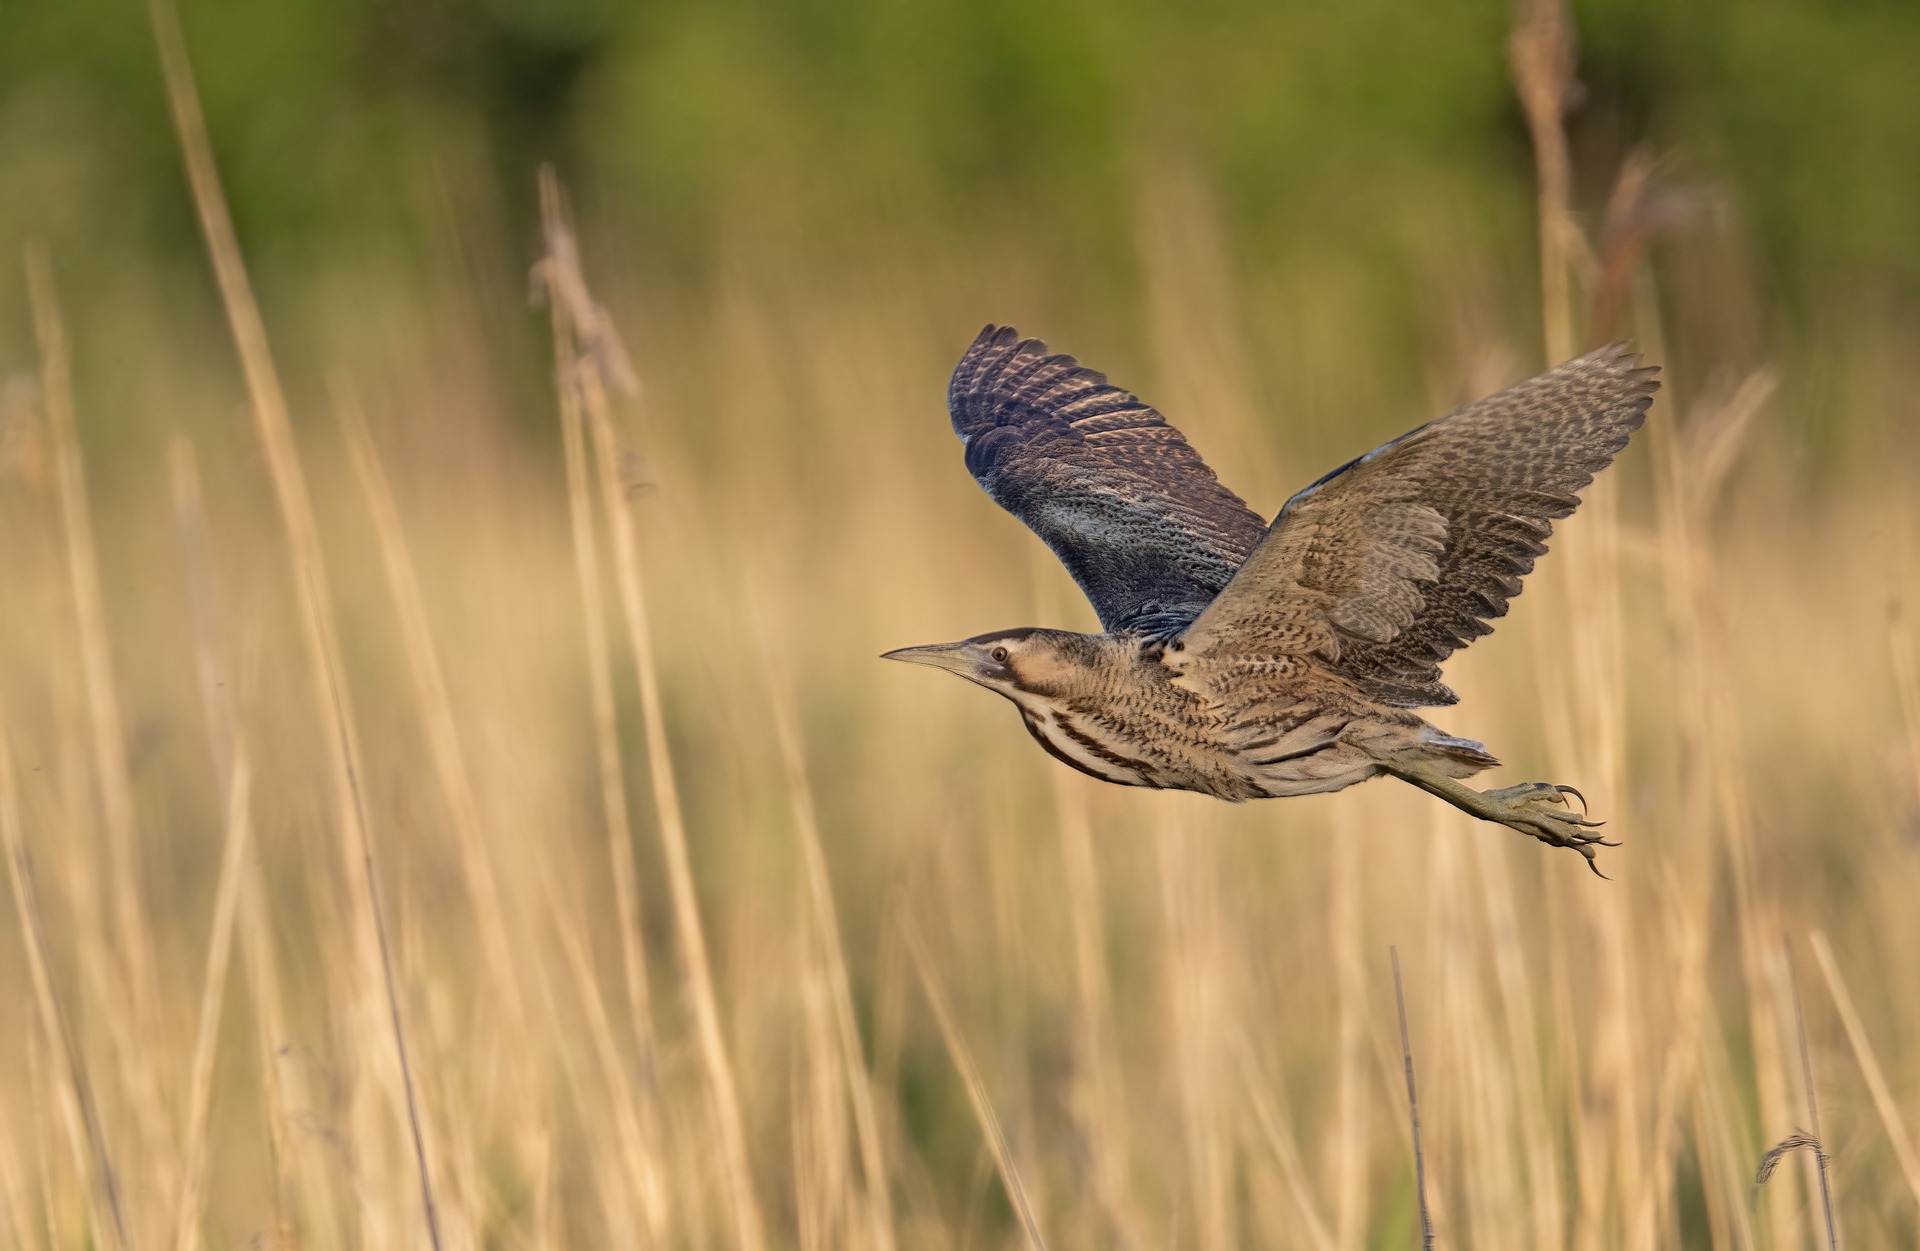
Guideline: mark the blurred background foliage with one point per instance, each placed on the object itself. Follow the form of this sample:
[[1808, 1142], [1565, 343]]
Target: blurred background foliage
[[360, 141]]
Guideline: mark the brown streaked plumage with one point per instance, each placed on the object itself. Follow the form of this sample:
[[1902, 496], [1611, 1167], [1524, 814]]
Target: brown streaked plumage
[[1250, 661]]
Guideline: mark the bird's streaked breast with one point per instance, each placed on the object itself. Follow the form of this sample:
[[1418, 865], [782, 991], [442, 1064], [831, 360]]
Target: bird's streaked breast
[[1089, 752]]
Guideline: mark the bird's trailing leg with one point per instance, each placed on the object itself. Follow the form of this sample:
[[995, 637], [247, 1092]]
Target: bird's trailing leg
[[1537, 809]]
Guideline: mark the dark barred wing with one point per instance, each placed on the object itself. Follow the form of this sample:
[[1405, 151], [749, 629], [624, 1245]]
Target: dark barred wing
[[1384, 568], [1129, 508]]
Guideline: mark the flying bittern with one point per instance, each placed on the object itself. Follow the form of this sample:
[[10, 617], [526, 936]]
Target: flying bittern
[[1249, 661]]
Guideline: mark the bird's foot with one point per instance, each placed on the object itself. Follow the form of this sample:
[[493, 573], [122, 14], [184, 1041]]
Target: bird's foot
[[1541, 810]]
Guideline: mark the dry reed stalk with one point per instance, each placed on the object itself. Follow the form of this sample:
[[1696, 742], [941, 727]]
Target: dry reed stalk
[[602, 358], [1598, 651], [1476, 1102], [276, 435], [1623, 243], [436, 711], [976, 1089], [269, 1033], [817, 1117], [50, 1206], [618, 832], [546, 1212], [219, 702], [1279, 1138], [1692, 455], [435, 706], [1012, 956], [203, 597], [444, 1041], [1758, 918], [1348, 1157], [103, 701], [1717, 1136], [129, 983], [636, 1119], [1545, 1203], [606, 727], [1693, 461], [1686, 943], [1813, 1120], [1540, 56], [1883, 1100], [233, 857], [1097, 1098], [1190, 900], [831, 951], [615, 1181], [1540, 51], [1413, 1106], [1099, 1095], [14, 1196], [86, 1138]]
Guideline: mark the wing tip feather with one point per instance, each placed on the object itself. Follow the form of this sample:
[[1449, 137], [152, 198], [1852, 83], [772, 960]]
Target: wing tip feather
[[1621, 359]]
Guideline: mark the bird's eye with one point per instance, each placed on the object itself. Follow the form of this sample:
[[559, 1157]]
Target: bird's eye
[[999, 655]]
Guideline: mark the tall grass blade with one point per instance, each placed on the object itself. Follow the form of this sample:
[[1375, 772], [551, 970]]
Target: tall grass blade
[[1813, 1121], [233, 858], [826, 922], [1413, 1106], [601, 358], [103, 701], [276, 434], [1883, 1100], [976, 1090], [76, 1092]]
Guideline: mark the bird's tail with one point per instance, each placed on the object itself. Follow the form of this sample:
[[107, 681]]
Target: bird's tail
[[1460, 757]]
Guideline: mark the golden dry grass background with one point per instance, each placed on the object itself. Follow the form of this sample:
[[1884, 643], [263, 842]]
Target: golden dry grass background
[[705, 929]]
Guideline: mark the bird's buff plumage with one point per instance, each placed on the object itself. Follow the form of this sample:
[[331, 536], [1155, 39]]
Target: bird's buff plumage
[[1248, 661]]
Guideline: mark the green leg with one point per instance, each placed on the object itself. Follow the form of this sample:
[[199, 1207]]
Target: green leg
[[1537, 809]]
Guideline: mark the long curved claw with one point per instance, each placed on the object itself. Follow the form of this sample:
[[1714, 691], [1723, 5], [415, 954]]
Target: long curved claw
[[1542, 810], [1582, 818]]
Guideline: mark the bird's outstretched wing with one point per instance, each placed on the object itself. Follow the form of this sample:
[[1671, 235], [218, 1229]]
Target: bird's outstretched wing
[[1385, 567], [1129, 508]]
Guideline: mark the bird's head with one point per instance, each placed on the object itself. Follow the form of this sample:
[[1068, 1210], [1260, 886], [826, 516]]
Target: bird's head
[[1027, 661]]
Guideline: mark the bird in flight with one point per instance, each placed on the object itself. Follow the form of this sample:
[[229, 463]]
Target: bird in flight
[[1250, 661]]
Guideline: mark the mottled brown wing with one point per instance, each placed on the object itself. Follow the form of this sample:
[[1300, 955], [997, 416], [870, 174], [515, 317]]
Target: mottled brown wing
[[1129, 508], [1385, 567]]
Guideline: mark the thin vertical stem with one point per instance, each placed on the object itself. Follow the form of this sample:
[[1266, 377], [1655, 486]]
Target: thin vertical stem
[[976, 1091], [276, 433], [1883, 1100], [583, 318], [108, 1218], [1541, 52], [103, 703], [833, 953], [1413, 1106], [606, 726], [213, 993], [436, 709], [1813, 1116]]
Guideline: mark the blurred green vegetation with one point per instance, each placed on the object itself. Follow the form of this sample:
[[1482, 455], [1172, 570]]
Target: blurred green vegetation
[[850, 124]]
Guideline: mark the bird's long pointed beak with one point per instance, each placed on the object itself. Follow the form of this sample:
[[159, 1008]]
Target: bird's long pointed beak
[[953, 657]]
